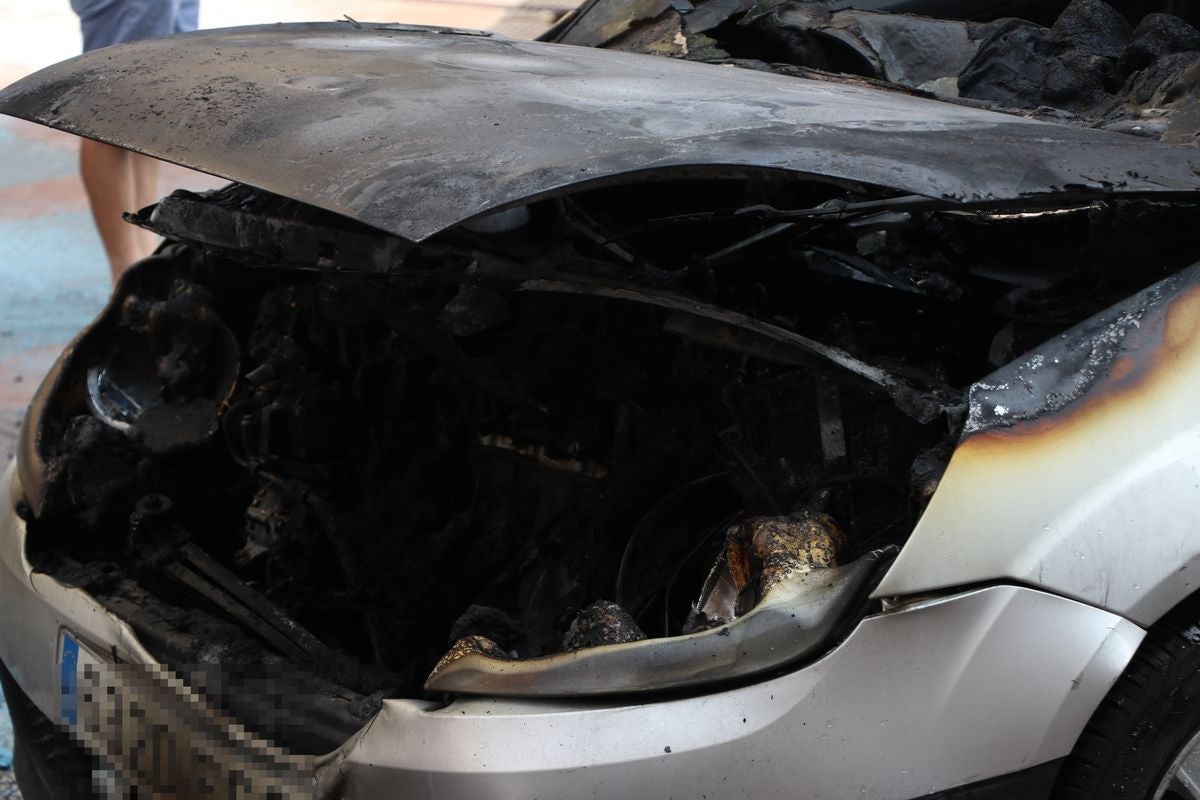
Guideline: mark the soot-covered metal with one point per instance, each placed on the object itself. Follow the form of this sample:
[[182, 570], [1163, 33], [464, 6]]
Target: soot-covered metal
[[341, 117]]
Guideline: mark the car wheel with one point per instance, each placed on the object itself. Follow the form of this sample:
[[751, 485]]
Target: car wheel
[[1143, 743], [48, 763]]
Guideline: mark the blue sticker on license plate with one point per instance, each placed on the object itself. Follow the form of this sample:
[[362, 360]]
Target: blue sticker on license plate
[[69, 672]]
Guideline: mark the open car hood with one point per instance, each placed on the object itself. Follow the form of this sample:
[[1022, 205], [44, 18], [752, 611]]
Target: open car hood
[[414, 130]]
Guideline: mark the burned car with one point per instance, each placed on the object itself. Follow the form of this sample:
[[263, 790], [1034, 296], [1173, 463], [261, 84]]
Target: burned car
[[529, 420]]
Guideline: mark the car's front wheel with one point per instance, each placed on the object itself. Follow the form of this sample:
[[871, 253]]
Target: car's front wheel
[[1183, 776], [1143, 743]]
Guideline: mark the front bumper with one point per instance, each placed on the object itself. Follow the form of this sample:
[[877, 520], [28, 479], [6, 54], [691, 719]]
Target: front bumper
[[941, 693]]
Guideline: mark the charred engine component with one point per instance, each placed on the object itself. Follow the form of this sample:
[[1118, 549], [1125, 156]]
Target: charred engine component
[[492, 633], [600, 623], [173, 364], [759, 553]]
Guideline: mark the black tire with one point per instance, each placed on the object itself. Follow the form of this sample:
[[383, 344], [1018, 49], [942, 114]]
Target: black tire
[[1151, 713], [49, 764]]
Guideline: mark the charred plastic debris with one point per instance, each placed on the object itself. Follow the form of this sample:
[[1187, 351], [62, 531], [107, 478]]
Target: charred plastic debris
[[562, 450], [1091, 65]]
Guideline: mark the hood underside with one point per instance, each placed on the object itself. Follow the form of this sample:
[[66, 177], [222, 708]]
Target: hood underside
[[415, 130]]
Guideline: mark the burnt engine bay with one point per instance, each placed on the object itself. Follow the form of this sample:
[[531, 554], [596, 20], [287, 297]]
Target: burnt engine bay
[[614, 416]]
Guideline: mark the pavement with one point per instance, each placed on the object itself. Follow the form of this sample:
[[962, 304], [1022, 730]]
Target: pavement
[[53, 275]]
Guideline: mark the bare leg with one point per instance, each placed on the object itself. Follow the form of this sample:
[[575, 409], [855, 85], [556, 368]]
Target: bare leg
[[145, 179], [110, 178], [145, 171]]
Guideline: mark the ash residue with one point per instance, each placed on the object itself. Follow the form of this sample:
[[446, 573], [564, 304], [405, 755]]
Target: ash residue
[[492, 624], [602, 622]]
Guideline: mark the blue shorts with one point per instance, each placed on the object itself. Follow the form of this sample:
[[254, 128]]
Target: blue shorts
[[106, 22]]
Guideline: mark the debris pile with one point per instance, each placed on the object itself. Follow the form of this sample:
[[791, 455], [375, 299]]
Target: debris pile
[[1091, 66]]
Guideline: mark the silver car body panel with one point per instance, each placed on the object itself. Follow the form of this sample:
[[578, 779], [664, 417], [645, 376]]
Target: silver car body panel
[[908, 703], [38, 608], [914, 701], [1080, 469], [416, 130]]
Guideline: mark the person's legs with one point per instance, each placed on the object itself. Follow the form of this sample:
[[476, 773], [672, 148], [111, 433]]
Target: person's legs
[[112, 183], [99, 21], [145, 180], [109, 22], [145, 183], [144, 19], [116, 180]]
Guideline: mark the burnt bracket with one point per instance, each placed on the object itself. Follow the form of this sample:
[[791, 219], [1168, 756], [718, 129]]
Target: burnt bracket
[[923, 398], [201, 573], [248, 224], [745, 334]]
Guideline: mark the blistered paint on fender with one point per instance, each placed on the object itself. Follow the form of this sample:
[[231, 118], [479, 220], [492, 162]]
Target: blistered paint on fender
[[1085, 480]]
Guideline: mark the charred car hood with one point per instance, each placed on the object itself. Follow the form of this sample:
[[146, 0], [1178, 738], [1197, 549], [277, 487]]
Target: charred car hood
[[415, 130]]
